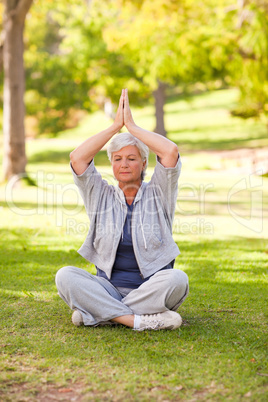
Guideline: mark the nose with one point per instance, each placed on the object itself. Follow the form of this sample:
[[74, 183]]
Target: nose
[[124, 162]]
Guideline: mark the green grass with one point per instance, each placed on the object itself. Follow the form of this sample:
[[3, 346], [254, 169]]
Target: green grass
[[220, 352]]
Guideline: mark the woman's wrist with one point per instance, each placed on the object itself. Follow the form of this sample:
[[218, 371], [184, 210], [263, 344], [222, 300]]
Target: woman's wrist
[[115, 128], [131, 127]]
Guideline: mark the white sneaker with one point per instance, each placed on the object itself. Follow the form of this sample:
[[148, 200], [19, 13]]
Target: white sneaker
[[166, 320], [77, 318]]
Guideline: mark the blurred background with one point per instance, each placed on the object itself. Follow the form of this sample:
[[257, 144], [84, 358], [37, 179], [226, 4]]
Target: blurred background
[[197, 73]]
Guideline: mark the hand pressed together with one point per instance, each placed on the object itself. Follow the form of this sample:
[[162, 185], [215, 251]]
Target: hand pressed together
[[123, 115], [165, 149]]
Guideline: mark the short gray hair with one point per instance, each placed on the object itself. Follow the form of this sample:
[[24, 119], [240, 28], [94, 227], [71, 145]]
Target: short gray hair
[[122, 140]]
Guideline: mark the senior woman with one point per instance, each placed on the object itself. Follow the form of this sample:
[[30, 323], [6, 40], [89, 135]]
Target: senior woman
[[130, 236]]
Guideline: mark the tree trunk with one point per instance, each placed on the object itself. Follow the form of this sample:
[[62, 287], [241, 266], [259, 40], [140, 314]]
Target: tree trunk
[[14, 161], [159, 99], [1, 57]]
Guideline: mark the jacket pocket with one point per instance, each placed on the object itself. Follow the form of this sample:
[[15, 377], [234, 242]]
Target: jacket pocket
[[154, 242], [103, 244]]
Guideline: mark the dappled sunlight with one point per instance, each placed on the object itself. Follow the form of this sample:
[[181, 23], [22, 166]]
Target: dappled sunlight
[[45, 296], [245, 277]]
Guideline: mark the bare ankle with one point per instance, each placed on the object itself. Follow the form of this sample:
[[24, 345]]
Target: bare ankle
[[127, 320]]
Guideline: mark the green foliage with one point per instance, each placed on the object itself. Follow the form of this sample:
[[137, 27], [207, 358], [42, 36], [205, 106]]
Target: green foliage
[[56, 70], [79, 55], [175, 42], [68, 66], [249, 68]]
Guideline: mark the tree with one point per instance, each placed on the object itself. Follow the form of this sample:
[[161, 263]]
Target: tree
[[56, 64], [139, 31], [68, 66], [169, 42], [14, 161], [249, 66]]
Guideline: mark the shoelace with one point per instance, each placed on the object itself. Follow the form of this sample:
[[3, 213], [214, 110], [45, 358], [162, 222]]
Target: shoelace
[[152, 324], [155, 325]]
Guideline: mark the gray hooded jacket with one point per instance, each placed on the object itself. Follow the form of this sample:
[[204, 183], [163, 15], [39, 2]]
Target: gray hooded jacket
[[152, 217]]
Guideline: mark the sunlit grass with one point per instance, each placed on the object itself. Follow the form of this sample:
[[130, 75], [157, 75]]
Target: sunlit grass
[[219, 353]]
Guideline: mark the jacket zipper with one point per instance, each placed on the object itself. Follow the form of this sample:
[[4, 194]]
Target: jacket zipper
[[141, 275]]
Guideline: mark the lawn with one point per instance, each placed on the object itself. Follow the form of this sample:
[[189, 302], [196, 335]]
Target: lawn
[[220, 352]]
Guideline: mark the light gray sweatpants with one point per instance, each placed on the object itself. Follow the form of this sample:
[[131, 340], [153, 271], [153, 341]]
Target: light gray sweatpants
[[98, 300]]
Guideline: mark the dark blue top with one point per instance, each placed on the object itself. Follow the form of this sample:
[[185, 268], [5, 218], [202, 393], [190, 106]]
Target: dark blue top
[[126, 271]]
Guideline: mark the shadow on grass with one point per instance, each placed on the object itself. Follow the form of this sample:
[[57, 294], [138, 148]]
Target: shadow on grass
[[51, 156], [62, 157], [205, 129], [205, 144], [32, 208], [27, 260]]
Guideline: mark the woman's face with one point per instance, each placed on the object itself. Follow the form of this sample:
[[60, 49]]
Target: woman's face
[[128, 166]]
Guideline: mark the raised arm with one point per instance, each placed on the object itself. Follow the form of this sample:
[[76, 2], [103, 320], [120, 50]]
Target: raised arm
[[166, 150], [84, 153]]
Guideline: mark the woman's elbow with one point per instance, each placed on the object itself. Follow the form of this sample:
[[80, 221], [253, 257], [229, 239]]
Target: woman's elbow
[[75, 163], [72, 156], [172, 156], [174, 151], [175, 148]]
